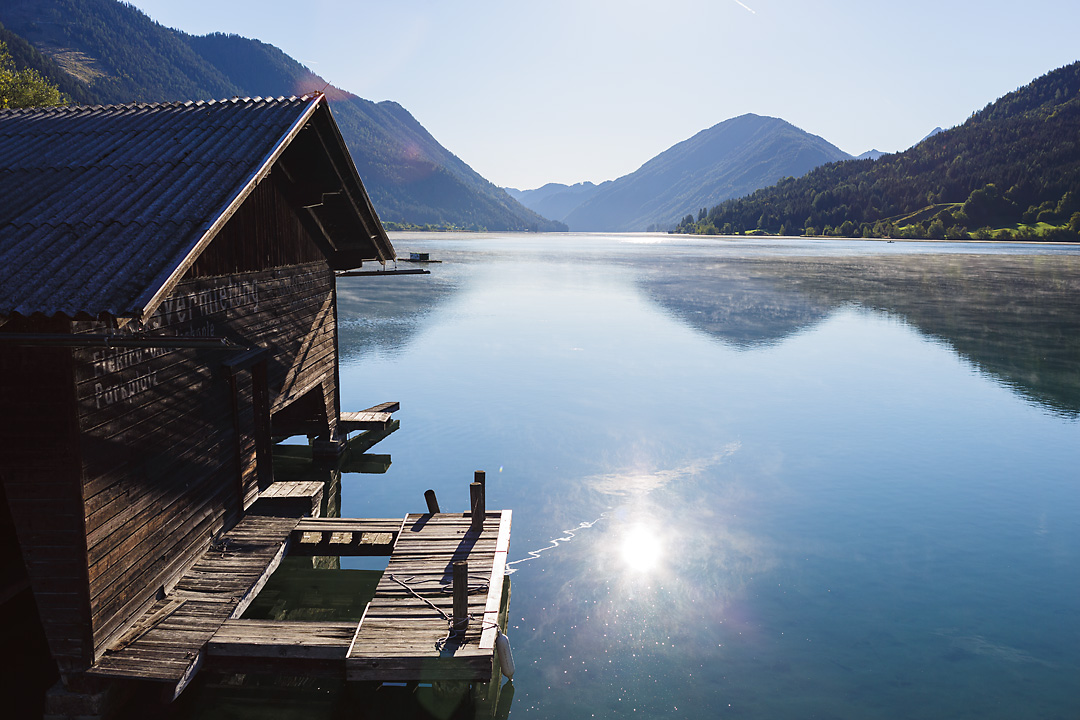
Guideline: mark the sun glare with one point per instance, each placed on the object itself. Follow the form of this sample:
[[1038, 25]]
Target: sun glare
[[641, 549]]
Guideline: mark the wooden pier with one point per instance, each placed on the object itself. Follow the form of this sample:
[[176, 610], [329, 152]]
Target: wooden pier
[[167, 643], [406, 630], [405, 633]]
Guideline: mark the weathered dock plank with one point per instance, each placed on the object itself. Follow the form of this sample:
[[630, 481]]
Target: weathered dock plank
[[378, 417], [345, 536], [389, 407], [282, 639]]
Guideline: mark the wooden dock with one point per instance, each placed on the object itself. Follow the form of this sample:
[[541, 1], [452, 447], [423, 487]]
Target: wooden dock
[[405, 633], [403, 636], [166, 644]]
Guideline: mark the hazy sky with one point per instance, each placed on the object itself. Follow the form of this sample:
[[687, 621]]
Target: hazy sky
[[570, 90]]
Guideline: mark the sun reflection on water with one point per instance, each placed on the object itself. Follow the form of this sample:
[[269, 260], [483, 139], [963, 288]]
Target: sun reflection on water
[[641, 548]]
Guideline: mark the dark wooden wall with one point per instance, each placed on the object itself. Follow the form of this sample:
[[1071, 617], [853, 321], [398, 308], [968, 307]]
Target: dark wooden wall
[[39, 467], [265, 232]]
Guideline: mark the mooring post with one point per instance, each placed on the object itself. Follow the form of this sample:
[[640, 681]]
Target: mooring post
[[481, 477], [461, 595], [432, 501], [477, 505]]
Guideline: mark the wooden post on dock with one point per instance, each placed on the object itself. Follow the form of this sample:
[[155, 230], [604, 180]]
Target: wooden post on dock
[[477, 505], [432, 502], [481, 477], [461, 596]]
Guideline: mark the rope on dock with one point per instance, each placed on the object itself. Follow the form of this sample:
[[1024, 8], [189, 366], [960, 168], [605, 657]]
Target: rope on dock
[[450, 632]]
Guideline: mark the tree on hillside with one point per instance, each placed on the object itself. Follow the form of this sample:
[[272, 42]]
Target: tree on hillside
[[23, 88]]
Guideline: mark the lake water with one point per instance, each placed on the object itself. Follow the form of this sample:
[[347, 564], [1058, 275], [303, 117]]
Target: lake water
[[751, 478]]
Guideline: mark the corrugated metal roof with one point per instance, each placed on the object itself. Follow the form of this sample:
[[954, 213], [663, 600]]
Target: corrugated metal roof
[[100, 206]]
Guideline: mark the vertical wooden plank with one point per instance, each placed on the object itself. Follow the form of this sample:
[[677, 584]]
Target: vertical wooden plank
[[238, 443], [461, 596], [263, 440]]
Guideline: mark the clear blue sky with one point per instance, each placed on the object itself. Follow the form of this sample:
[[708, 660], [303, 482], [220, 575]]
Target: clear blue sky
[[570, 90]]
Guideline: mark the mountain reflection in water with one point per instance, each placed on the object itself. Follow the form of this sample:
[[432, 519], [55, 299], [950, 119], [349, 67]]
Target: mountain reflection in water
[[1016, 318]]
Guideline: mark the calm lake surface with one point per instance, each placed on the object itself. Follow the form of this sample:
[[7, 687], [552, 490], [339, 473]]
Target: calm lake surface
[[750, 478]]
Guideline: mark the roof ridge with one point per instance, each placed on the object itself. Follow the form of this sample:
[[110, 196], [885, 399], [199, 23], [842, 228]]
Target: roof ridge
[[141, 105]]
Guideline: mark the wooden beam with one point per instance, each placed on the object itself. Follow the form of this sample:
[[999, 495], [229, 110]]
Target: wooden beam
[[350, 421], [389, 407], [283, 640], [495, 583], [376, 273]]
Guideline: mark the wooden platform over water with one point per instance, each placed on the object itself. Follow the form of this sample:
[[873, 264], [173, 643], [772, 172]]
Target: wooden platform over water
[[405, 630], [378, 417], [166, 644], [403, 635]]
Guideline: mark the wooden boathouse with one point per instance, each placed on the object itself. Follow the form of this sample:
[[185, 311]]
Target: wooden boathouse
[[168, 309]]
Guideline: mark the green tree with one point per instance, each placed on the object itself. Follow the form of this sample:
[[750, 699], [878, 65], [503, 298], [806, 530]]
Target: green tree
[[986, 204], [1074, 222], [23, 88]]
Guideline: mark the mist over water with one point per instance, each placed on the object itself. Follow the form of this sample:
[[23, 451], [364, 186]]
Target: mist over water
[[749, 479]]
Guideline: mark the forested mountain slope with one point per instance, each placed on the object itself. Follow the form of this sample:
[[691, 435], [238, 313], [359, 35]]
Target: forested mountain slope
[[104, 51], [1013, 166]]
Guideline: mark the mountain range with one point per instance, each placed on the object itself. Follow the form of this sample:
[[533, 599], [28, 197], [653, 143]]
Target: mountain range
[[104, 51], [555, 200], [731, 159]]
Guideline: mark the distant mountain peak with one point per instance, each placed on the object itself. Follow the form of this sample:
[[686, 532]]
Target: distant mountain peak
[[932, 133], [733, 158]]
